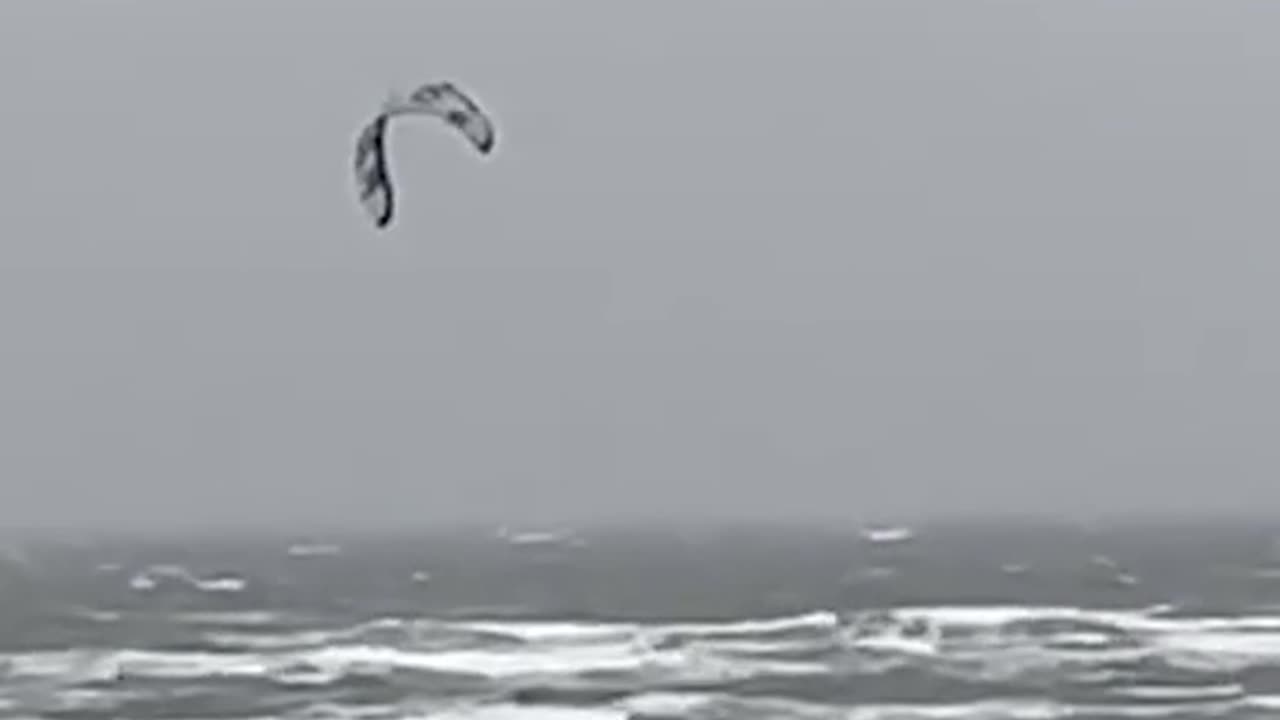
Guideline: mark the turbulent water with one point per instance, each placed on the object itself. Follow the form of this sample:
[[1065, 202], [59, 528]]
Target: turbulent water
[[942, 623]]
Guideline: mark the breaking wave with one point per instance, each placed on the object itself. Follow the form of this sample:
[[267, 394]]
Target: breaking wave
[[878, 664]]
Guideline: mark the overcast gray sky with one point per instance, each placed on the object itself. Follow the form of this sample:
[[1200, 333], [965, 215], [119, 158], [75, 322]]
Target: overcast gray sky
[[793, 259]]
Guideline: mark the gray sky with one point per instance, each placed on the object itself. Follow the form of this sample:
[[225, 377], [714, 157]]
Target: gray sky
[[791, 259]]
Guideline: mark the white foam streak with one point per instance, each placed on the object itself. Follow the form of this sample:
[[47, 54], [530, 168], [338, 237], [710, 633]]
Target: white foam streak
[[247, 618], [518, 712], [588, 632], [685, 664], [983, 710], [822, 620], [676, 705], [1183, 693], [554, 631]]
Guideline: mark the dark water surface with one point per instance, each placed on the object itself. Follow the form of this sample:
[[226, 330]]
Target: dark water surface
[[994, 621]]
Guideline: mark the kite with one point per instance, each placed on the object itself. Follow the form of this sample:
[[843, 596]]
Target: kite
[[441, 100]]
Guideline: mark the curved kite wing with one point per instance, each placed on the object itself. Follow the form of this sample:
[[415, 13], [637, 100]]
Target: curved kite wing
[[446, 101], [442, 100], [373, 182]]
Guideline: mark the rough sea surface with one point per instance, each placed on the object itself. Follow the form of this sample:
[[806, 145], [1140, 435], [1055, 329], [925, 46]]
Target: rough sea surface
[[943, 623]]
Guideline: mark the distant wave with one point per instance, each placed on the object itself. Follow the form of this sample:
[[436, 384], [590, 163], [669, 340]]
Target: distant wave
[[539, 538], [302, 550], [157, 576], [888, 535]]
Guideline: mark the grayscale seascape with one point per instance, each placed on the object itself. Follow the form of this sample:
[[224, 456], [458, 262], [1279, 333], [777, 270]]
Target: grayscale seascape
[[689, 295]]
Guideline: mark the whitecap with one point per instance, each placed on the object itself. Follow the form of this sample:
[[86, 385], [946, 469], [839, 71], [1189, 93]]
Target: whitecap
[[538, 631], [536, 538], [1181, 693], [313, 550], [665, 704], [142, 582], [890, 535], [240, 618], [981, 710], [221, 584]]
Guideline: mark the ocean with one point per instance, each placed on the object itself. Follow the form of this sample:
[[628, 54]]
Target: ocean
[[983, 621]]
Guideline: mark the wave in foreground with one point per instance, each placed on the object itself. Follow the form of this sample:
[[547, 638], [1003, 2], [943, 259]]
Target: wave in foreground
[[960, 662]]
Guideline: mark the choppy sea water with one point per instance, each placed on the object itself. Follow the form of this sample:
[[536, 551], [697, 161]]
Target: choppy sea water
[[941, 624]]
